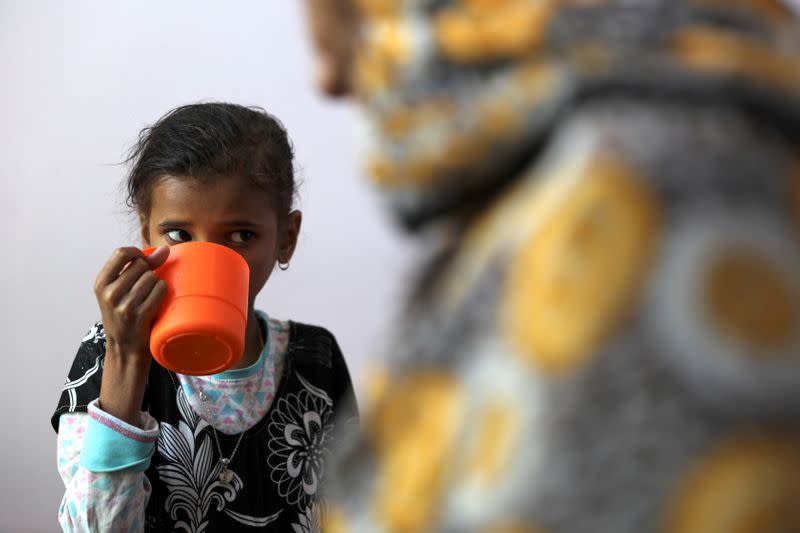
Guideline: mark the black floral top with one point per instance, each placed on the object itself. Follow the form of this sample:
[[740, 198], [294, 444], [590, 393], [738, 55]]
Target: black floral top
[[279, 466]]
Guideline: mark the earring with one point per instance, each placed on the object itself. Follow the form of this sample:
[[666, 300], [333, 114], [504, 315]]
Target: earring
[[283, 266]]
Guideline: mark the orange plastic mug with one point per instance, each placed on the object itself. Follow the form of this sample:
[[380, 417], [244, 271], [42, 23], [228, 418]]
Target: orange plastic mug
[[200, 326]]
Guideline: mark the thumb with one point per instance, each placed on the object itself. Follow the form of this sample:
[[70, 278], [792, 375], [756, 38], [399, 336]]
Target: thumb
[[158, 257]]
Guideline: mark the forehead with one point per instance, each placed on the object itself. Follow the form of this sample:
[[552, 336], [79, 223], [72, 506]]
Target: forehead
[[229, 196]]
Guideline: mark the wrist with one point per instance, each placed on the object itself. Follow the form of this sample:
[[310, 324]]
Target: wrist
[[126, 356], [123, 383]]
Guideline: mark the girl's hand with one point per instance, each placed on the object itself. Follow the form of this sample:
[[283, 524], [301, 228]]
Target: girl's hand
[[129, 294]]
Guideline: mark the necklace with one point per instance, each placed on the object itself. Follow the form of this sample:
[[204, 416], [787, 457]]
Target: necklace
[[225, 474]]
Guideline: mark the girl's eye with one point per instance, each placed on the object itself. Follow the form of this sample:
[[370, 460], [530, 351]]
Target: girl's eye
[[179, 235], [242, 236]]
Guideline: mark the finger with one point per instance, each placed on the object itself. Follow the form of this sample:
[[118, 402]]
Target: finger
[[139, 290], [153, 300], [112, 268], [158, 257], [118, 289]]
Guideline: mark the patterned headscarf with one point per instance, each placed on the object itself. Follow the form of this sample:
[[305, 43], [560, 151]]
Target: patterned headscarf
[[460, 94]]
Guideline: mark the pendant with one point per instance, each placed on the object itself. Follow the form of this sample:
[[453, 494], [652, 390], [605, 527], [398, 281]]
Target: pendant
[[226, 476]]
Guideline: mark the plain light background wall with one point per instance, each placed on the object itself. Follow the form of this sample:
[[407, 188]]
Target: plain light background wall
[[78, 80]]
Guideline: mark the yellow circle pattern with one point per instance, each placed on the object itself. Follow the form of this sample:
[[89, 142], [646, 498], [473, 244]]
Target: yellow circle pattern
[[578, 274], [750, 484], [412, 429], [751, 299]]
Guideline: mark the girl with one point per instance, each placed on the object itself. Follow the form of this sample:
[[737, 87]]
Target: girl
[[142, 448]]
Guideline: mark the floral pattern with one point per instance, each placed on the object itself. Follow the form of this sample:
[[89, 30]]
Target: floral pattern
[[186, 494], [299, 430], [299, 435], [191, 474]]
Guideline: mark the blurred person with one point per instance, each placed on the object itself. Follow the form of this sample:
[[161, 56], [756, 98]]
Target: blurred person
[[606, 337]]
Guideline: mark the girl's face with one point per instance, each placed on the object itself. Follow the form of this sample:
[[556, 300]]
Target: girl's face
[[230, 211]]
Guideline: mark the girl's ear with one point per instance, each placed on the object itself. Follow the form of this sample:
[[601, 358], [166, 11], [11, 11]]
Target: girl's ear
[[288, 238], [145, 231]]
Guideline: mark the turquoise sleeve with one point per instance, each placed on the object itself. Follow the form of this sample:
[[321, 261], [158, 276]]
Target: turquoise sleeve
[[111, 444]]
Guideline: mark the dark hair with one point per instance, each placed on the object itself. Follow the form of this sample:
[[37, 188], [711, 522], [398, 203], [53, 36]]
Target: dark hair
[[212, 140]]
